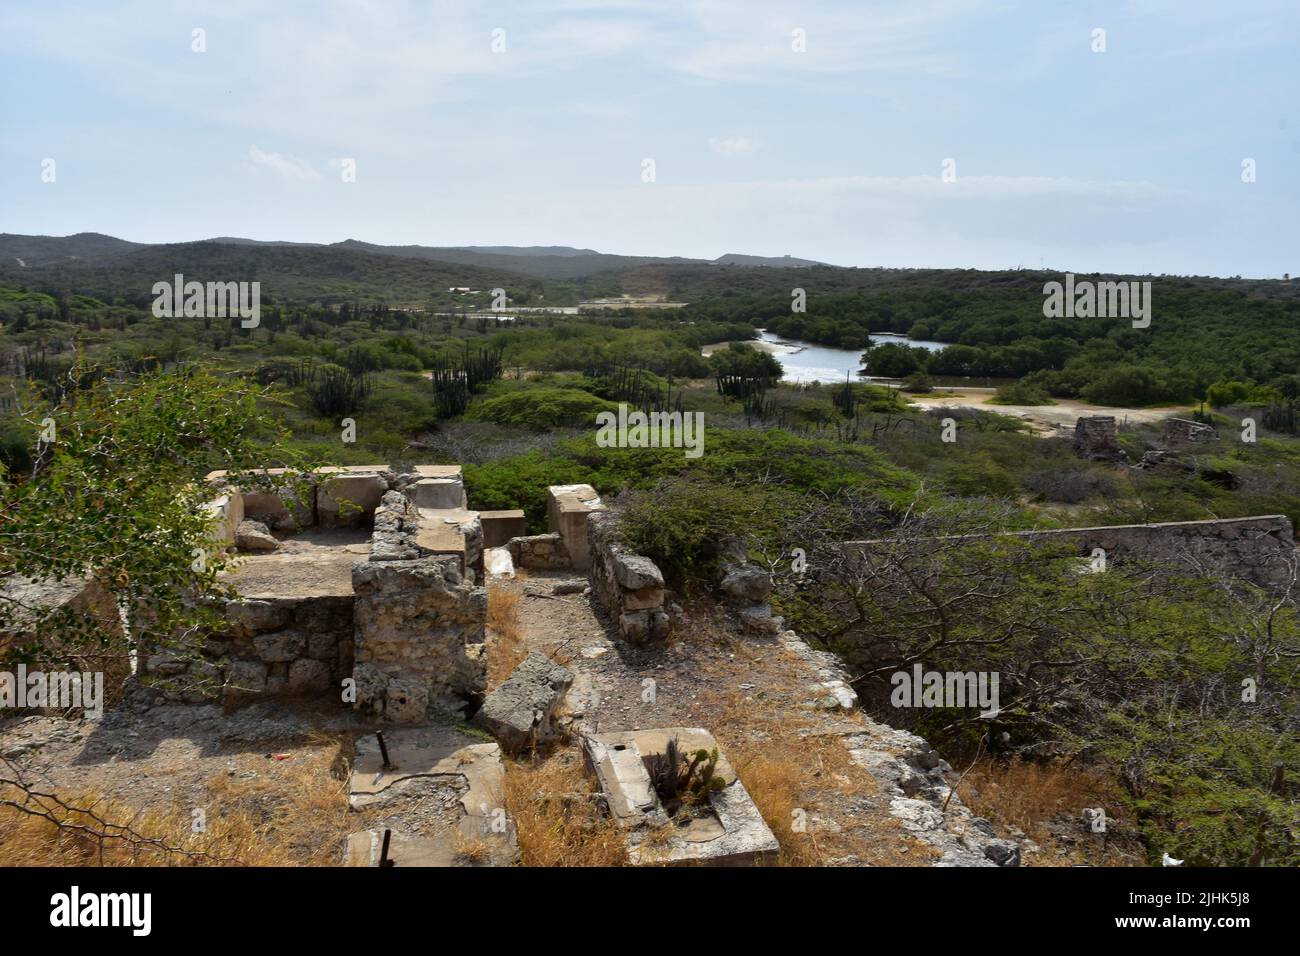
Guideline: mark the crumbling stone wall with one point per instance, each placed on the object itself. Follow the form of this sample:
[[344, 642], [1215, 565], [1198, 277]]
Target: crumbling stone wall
[[1257, 548], [413, 606], [276, 647], [1096, 437], [419, 637], [539, 552], [1184, 431], [629, 586]]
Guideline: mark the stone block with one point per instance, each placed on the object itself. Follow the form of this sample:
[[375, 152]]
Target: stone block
[[245, 679], [646, 599], [567, 507], [500, 526], [254, 536], [322, 646], [746, 583], [226, 510], [438, 471], [249, 617], [280, 646], [346, 501], [307, 676], [635, 572], [520, 713], [406, 700], [439, 493], [166, 664]]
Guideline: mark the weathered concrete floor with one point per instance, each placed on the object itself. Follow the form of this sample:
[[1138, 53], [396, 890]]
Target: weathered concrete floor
[[441, 797], [315, 562]]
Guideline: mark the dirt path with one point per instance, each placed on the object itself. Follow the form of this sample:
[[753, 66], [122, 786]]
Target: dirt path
[[267, 779], [1047, 420]]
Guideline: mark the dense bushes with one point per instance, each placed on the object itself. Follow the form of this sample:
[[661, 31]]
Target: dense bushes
[[1178, 688], [541, 408]]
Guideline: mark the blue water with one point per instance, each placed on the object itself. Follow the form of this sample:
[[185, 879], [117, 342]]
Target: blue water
[[805, 362]]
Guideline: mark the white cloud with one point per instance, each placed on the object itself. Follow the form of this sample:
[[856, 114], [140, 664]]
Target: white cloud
[[731, 145], [286, 167]]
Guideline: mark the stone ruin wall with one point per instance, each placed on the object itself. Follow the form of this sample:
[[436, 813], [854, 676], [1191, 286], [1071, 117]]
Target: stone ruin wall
[[410, 633], [277, 647], [539, 552], [628, 586]]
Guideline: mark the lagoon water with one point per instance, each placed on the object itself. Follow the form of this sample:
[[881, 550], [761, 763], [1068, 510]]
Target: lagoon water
[[805, 362]]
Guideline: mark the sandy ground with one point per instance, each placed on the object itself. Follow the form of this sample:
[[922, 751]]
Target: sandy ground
[[257, 761], [776, 348], [1047, 420]]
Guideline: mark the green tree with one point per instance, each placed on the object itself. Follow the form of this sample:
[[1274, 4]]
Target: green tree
[[116, 496]]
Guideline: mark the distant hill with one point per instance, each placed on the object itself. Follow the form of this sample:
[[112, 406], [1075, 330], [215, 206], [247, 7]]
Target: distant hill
[[772, 262], [543, 262], [353, 270], [32, 251], [286, 271], [327, 267]]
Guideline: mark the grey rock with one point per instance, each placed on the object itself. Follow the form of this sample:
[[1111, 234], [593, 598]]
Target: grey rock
[[746, 583], [323, 646], [1003, 852], [307, 676], [635, 571], [254, 536], [251, 617], [521, 712], [280, 646], [245, 678]]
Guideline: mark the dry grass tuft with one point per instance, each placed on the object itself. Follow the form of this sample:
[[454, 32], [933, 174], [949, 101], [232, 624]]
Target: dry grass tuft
[[506, 647], [1028, 795], [558, 821], [795, 778], [473, 851], [293, 813]]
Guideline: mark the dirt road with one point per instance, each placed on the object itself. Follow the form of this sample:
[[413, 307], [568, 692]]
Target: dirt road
[[1046, 420]]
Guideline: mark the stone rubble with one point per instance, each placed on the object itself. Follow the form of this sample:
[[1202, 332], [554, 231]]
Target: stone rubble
[[520, 713]]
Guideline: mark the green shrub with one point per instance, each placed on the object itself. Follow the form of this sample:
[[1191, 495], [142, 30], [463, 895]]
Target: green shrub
[[1021, 393], [680, 523], [541, 408], [979, 477], [520, 482]]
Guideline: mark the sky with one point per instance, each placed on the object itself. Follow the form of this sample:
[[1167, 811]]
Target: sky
[[1149, 136]]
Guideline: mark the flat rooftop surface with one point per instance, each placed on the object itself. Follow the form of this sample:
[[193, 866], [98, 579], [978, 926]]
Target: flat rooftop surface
[[315, 562]]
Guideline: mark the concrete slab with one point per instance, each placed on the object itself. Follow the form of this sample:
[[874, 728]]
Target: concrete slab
[[438, 471], [497, 562], [567, 507], [438, 493], [351, 469], [500, 526], [442, 796], [440, 530], [433, 751], [314, 563], [227, 510], [728, 832]]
